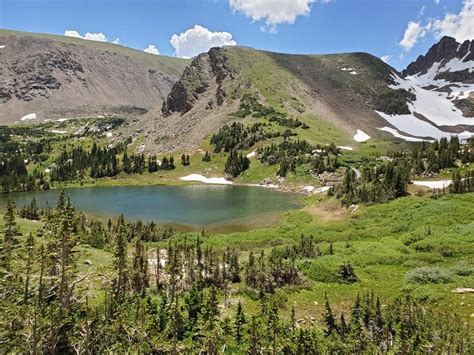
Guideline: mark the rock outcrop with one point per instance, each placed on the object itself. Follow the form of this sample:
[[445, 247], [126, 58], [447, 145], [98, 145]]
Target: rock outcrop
[[57, 76], [442, 52], [206, 70]]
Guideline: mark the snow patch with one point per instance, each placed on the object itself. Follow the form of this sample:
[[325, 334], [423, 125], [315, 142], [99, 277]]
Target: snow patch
[[321, 189], [205, 180], [361, 136], [434, 184], [108, 134], [62, 119], [418, 128], [309, 189], [58, 131], [397, 134], [345, 148], [2, 46], [251, 155], [353, 72], [28, 117], [457, 64], [433, 105]]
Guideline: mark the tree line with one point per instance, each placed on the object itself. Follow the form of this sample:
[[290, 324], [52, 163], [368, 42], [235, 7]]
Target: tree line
[[172, 299]]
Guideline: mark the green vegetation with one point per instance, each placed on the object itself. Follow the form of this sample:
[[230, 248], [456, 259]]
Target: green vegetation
[[305, 285]]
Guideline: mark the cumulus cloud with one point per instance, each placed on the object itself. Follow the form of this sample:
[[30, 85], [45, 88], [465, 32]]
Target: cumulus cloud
[[273, 12], [152, 49], [199, 39], [413, 33], [100, 37], [459, 26], [72, 33], [90, 36], [386, 58], [437, 2]]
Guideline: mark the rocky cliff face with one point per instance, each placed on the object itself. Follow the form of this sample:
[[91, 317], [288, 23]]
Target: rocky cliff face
[[206, 72], [33, 76], [55, 77], [442, 52], [448, 67]]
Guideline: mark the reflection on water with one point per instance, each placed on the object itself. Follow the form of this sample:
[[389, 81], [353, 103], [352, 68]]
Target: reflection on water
[[193, 205]]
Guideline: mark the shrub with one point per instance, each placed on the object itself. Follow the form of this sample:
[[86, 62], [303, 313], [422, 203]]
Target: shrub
[[426, 275], [320, 271], [463, 268]]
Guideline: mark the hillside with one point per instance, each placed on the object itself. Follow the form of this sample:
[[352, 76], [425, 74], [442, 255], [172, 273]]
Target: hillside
[[349, 94], [340, 91], [48, 76]]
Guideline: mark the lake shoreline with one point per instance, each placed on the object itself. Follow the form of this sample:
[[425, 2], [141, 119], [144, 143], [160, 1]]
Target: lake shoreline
[[189, 207], [111, 182]]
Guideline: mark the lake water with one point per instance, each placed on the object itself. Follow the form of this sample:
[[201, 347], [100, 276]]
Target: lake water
[[198, 205]]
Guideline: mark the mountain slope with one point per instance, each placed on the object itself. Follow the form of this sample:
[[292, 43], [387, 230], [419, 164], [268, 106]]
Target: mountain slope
[[352, 92], [442, 84], [46, 76], [343, 90]]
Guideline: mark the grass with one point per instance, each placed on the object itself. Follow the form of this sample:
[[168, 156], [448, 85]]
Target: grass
[[376, 240], [384, 243]]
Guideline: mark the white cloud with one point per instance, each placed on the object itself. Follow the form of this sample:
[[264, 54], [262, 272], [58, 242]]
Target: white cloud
[[152, 49], [72, 33], [386, 58], [117, 40], [437, 2], [90, 36], [273, 12], [422, 12], [459, 26], [199, 39], [100, 37], [413, 33]]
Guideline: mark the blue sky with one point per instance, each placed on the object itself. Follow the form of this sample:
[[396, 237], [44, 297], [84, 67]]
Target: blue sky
[[292, 26]]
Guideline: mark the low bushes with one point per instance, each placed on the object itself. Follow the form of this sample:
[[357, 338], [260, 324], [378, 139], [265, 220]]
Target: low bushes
[[427, 275]]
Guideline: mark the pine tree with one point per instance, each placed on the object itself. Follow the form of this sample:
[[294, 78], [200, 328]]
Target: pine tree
[[139, 276], [346, 273], [210, 315], [66, 240], [30, 245], [329, 317], [120, 260], [239, 323], [9, 219], [127, 164], [206, 157], [9, 232], [250, 277], [158, 270]]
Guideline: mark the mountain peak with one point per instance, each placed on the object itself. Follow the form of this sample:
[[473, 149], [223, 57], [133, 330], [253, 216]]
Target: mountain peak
[[442, 52]]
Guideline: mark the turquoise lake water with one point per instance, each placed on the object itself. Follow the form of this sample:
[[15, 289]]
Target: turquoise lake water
[[198, 205]]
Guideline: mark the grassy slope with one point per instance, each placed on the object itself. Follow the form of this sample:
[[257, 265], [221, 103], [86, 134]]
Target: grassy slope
[[169, 65], [278, 78], [383, 242]]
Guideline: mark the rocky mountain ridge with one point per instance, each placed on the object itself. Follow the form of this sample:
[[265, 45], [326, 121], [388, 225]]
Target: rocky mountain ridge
[[442, 52], [48, 77]]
